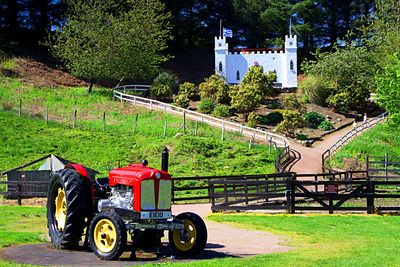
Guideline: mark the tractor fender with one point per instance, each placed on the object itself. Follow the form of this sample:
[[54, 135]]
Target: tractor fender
[[79, 168]]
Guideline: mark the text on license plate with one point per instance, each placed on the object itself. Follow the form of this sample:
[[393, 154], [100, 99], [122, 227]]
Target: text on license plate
[[155, 215]]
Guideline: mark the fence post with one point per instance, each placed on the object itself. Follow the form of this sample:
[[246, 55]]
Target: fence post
[[46, 118], [20, 107], [196, 127], [134, 100], [184, 122], [135, 125], [370, 197], [386, 166], [104, 121], [290, 197], [19, 190], [241, 129], [75, 112], [165, 129], [223, 130], [225, 193]]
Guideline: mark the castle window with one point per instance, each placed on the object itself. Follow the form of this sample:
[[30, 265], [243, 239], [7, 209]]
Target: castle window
[[220, 66], [238, 75], [291, 65]]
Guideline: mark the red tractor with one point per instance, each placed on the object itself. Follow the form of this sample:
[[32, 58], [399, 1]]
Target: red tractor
[[135, 199]]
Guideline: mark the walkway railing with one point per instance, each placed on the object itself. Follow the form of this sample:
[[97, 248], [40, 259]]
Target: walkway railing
[[122, 93], [348, 136]]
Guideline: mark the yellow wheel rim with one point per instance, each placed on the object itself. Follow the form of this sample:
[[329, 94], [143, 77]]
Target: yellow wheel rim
[[185, 239], [61, 209], [105, 235]]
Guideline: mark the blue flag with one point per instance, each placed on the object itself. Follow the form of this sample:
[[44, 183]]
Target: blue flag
[[227, 32]]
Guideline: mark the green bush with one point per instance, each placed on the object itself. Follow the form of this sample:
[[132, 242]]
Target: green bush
[[315, 89], [273, 105], [216, 89], [301, 137], [188, 89], [339, 102], [293, 102], [164, 85], [313, 119], [272, 118], [182, 100], [292, 120], [325, 126], [256, 76], [253, 120], [221, 111], [206, 106]]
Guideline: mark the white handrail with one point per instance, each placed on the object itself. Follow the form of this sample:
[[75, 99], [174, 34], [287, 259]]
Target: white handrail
[[245, 130]]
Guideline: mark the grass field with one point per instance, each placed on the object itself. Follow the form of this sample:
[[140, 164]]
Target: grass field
[[317, 240], [28, 138], [377, 141]]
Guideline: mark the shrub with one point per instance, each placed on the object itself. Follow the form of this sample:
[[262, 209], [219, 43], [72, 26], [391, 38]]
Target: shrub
[[325, 126], [273, 105], [263, 82], [182, 100], [339, 102], [301, 137], [292, 120], [216, 89], [221, 111], [7, 105], [272, 118], [206, 106], [253, 120], [315, 89], [245, 98], [164, 85], [293, 102], [313, 119], [188, 89]]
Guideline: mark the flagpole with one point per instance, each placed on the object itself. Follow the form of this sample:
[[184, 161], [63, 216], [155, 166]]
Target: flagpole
[[220, 28]]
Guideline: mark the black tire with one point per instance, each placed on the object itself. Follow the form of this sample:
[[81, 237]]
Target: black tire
[[192, 240], [68, 232], [107, 235]]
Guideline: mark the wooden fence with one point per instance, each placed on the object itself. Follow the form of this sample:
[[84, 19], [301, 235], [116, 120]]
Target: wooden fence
[[348, 136], [383, 167]]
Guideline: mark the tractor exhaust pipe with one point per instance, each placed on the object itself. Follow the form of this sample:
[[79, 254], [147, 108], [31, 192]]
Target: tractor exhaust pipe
[[164, 159]]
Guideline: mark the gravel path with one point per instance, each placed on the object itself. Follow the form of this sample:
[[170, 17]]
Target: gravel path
[[223, 241]]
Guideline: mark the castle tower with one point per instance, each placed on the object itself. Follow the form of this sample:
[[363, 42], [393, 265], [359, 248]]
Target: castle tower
[[221, 52], [290, 62]]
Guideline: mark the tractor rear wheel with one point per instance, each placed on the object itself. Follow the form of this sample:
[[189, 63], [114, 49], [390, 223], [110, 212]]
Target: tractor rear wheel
[[107, 235], [67, 208], [191, 240]]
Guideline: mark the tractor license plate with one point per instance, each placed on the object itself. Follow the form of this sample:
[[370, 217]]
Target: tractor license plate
[[156, 215]]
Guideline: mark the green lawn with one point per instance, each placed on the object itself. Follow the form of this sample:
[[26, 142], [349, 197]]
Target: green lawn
[[377, 141], [317, 240], [28, 138]]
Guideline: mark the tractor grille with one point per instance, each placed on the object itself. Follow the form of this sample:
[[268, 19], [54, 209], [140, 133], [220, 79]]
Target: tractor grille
[[148, 195]]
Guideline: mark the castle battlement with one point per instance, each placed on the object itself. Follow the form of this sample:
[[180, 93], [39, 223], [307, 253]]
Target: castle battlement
[[234, 65]]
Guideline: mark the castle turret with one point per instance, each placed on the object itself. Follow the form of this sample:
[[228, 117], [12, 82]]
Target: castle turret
[[290, 62], [221, 52]]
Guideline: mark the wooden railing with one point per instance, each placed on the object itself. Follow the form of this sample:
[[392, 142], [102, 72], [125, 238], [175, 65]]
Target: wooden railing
[[348, 136], [123, 95]]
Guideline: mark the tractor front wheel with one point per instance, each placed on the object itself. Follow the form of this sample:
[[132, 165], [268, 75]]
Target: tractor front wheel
[[191, 240], [107, 235]]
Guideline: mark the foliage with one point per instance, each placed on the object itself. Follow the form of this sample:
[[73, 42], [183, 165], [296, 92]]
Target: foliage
[[164, 85], [245, 98], [206, 106], [272, 118], [340, 102], [325, 126], [253, 120], [351, 70], [181, 100], [215, 89], [314, 119], [301, 137], [315, 89], [292, 120], [263, 82], [293, 102], [221, 111], [388, 82], [188, 89], [108, 39]]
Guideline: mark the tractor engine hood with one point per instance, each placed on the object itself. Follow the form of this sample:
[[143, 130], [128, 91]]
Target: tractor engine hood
[[134, 174]]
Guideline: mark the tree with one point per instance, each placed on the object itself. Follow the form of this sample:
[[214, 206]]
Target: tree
[[292, 120], [216, 89], [103, 40]]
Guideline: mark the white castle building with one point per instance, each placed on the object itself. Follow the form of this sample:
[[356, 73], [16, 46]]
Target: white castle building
[[234, 65]]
